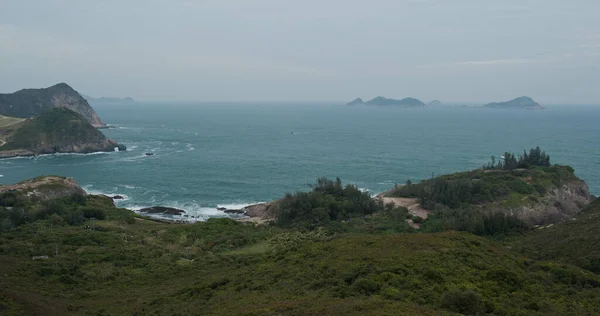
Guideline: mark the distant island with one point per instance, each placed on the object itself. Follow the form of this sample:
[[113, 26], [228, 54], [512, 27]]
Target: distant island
[[58, 130], [382, 101], [526, 103], [28, 103], [109, 100], [435, 103]]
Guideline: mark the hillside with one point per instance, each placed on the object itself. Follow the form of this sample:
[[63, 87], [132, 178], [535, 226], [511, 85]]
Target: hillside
[[518, 103], [575, 241], [538, 195], [382, 101], [93, 258], [58, 130], [28, 103]]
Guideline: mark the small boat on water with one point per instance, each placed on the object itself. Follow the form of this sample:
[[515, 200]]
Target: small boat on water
[[149, 154]]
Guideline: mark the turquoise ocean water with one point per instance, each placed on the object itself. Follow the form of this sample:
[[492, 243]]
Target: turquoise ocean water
[[224, 154]]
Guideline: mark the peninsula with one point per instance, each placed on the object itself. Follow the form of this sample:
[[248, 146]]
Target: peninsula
[[58, 130], [28, 103]]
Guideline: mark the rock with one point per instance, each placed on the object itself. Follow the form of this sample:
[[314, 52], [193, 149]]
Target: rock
[[117, 197], [44, 188], [235, 211], [221, 209], [263, 211], [162, 210]]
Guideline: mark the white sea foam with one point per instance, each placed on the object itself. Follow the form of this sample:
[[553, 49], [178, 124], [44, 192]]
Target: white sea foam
[[189, 147], [127, 186], [193, 211], [237, 206], [89, 190]]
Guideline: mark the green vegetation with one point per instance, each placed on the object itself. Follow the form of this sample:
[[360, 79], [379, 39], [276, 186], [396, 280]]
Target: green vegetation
[[506, 183], [58, 130], [333, 251], [535, 157], [575, 241], [328, 202], [28, 103]]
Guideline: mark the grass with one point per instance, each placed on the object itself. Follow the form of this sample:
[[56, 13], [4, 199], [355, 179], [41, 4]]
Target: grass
[[222, 267], [7, 121], [368, 265], [575, 241]]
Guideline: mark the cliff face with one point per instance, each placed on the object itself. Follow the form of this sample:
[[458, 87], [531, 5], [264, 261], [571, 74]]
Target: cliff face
[[31, 102], [59, 130], [558, 204]]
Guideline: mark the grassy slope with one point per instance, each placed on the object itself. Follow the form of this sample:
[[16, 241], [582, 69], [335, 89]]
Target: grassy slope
[[576, 241], [503, 188], [55, 127], [6, 121], [239, 269]]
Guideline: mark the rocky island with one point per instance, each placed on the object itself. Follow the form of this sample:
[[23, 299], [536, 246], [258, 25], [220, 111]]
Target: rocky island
[[526, 103], [382, 101], [28, 103], [108, 100], [58, 130]]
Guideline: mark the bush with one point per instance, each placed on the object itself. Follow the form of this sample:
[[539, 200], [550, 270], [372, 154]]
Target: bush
[[328, 202], [520, 186], [93, 212], [462, 301], [417, 220], [366, 286]]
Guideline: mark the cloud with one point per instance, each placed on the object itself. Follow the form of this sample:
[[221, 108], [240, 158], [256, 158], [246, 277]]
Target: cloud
[[500, 62], [21, 42]]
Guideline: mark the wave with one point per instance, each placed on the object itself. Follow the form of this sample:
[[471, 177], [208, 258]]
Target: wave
[[50, 156], [194, 212], [189, 147], [127, 186], [88, 189], [237, 206]]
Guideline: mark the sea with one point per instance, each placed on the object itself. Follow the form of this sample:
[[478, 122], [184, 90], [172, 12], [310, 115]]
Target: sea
[[209, 155]]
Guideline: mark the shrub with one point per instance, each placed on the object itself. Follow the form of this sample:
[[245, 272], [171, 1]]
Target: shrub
[[462, 301], [366, 286], [96, 213]]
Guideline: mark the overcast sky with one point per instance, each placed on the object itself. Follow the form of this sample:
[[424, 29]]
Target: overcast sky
[[319, 50]]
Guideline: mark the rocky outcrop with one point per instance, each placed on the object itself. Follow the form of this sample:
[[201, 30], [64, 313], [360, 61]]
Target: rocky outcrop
[[43, 188], [262, 211], [28, 103], [162, 210], [556, 205]]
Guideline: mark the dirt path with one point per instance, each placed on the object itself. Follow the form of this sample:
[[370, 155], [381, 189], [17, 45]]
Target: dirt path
[[413, 206]]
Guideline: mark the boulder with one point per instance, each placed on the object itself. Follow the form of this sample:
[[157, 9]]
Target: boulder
[[162, 210]]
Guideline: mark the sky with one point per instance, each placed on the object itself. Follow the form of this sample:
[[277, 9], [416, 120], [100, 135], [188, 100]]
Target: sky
[[309, 50]]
